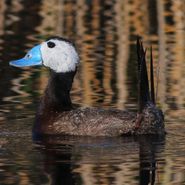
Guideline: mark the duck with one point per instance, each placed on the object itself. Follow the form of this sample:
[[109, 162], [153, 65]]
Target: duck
[[56, 114]]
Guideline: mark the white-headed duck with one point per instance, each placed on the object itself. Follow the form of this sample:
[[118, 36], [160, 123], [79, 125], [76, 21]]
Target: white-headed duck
[[56, 114]]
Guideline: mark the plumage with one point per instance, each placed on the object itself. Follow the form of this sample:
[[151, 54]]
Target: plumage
[[56, 114], [99, 122]]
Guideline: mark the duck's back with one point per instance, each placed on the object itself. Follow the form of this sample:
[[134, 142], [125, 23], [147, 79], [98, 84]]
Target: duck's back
[[101, 122], [87, 121], [94, 121]]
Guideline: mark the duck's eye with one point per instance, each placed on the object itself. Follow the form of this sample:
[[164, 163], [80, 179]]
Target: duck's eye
[[51, 44]]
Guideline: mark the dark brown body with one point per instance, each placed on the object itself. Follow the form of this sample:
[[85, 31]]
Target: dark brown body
[[99, 122]]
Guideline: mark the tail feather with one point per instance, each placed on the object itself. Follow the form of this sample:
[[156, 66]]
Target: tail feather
[[152, 87], [143, 83], [157, 80]]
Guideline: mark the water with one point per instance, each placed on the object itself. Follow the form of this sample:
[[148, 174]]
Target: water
[[104, 32]]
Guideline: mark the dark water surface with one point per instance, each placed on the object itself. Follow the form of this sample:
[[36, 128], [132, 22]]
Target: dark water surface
[[104, 32]]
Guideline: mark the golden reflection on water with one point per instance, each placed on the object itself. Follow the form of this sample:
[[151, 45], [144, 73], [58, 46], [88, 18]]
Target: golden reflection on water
[[104, 32]]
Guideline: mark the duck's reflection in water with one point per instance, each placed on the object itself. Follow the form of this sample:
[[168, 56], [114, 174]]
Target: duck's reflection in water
[[149, 148], [86, 160]]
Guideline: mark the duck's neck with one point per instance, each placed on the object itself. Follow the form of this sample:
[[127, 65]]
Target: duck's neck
[[57, 93]]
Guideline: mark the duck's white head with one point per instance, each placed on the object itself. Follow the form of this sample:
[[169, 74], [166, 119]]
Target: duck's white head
[[56, 53]]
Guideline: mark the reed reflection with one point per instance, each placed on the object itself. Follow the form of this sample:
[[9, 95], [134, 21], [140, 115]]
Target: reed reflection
[[14, 28], [104, 32], [75, 160]]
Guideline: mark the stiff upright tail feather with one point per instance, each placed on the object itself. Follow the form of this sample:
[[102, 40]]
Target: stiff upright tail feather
[[152, 87], [144, 94]]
